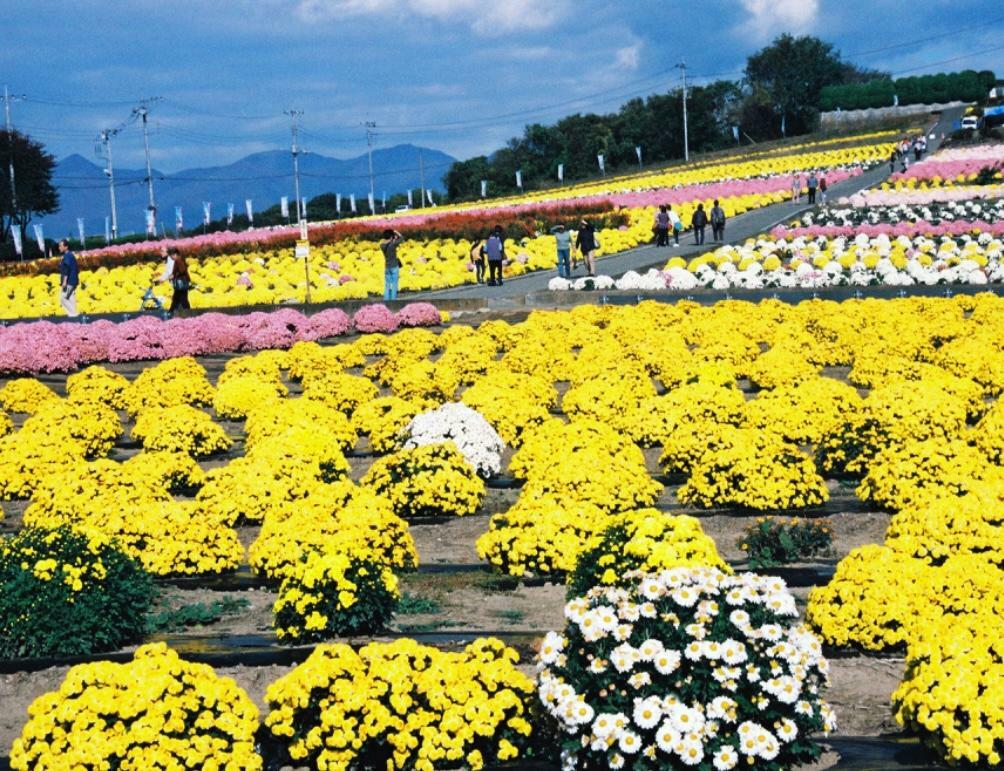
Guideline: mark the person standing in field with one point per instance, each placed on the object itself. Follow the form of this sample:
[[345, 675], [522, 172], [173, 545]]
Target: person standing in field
[[563, 241], [822, 191], [812, 184], [495, 251], [717, 222], [662, 227], [391, 263], [699, 221], [69, 279], [796, 188], [478, 259], [675, 223], [585, 242], [176, 271]]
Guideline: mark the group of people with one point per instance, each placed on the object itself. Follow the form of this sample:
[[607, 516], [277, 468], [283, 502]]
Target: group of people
[[815, 187], [667, 220], [901, 152]]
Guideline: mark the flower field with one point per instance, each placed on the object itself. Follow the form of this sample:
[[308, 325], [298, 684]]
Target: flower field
[[609, 458], [259, 267]]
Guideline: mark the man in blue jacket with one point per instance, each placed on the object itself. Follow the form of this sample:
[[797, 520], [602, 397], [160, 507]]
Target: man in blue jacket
[[69, 278]]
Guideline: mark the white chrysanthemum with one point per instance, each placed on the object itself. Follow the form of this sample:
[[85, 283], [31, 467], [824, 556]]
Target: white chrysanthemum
[[455, 422], [725, 758]]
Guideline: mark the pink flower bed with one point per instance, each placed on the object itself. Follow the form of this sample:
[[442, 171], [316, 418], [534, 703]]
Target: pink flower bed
[[909, 229], [42, 346], [912, 197], [950, 164]]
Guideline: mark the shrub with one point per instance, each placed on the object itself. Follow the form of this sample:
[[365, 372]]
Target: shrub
[[472, 435], [419, 315], [274, 417], [65, 592], [402, 705], [93, 426], [180, 429], [699, 666], [375, 318], [772, 541], [156, 711], [383, 419], [240, 395], [176, 472], [338, 390], [97, 384], [25, 394], [333, 593], [429, 481], [170, 383]]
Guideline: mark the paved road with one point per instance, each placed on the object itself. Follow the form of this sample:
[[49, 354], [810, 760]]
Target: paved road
[[642, 258]]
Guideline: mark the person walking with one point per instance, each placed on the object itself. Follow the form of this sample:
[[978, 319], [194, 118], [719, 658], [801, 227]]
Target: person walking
[[495, 251], [176, 271], [676, 224], [69, 279], [822, 191], [391, 263], [662, 227], [586, 243], [717, 222], [892, 162], [811, 185], [796, 188], [563, 241], [478, 259], [699, 221]]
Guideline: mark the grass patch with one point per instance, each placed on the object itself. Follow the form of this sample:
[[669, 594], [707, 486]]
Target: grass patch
[[194, 614], [513, 616], [429, 626], [411, 605]]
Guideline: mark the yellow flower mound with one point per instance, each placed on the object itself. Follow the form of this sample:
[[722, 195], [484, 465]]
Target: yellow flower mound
[[173, 471], [417, 382], [803, 413], [25, 394], [511, 402], [402, 705], [170, 383], [429, 481], [92, 425], [27, 458], [157, 711], [754, 474], [988, 435], [274, 417], [781, 366], [265, 365], [307, 358], [383, 419], [6, 424], [338, 390], [238, 396], [333, 593], [180, 429], [333, 517], [537, 450], [614, 397], [95, 384], [647, 540]]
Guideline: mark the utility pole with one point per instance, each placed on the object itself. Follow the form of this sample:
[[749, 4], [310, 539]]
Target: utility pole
[[682, 66], [106, 141], [7, 99], [294, 115], [421, 175], [143, 111], [370, 126]]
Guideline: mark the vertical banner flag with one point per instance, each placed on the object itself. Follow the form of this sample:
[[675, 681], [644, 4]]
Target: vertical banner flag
[[561, 172], [338, 203], [735, 133], [484, 188], [179, 220], [637, 151], [352, 202], [429, 194], [230, 214], [151, 222], [410, 201], [39, 238], [80, 230], [372, 203], [603, 165], [207, 209], [108, 230], [383, 201], [15, 233], [303, 208], [284, 207], [519, 178], [249, 210]]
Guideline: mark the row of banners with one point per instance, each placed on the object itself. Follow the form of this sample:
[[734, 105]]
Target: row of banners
[[600, 161]]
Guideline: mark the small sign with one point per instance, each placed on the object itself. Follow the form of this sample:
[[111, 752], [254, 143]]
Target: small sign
[[302, 249]]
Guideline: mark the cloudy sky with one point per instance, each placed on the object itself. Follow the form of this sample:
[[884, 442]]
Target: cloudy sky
[[457, 75]]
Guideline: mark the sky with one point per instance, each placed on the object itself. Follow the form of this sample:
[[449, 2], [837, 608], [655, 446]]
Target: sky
[[461, 76]]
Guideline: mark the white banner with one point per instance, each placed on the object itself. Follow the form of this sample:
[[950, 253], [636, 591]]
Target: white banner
[[284, 207], [249, 210], [230, 214], [519, 179], [561, 172], [602, 163], [383, 201], [338, 203], [108, 230], [372, 203], [151, 222], [80, 230], [207, 212], [429, 194], [39, 237], [637, 151], [15, 233], [484, 188], [410, 201], [179, 220], [352, 202], [303, 208]]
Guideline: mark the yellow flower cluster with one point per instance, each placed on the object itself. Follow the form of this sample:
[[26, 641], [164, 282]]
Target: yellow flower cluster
[[25, 394], [238, 396], [402, 705], [169, 383], [174, 471], [180, 428], [96, 384], [383, 419], [6, 424], [157, 711], [338, 390], [275, 417], [806, 412], [511, 402], [93, 426]]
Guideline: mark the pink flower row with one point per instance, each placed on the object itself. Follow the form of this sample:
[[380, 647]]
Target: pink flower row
[[43, 346], [920, 228]]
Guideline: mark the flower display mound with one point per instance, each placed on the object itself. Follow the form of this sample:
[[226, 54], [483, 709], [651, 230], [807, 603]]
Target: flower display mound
[[171, 383], [25, 394], [537, 449], [332, 592], [948, 694], [383, 420], [455, 422], [157, 711], [272, 418], [92, 427], [240, 395], [429, 481], [376, 318], [181, 428], [688, 667], [805, 412], [646, 540], [66, 592], [97, 384], [511, 402], [402, 705]]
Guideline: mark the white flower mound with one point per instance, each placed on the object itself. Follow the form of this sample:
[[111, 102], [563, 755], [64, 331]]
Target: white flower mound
[[474, 436]]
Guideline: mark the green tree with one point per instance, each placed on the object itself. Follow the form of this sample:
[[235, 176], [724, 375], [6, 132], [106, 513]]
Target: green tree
[[35, 193]]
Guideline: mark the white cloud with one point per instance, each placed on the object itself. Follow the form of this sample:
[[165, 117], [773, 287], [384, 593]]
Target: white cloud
[[628, 57], [769, 18], [483, 18]]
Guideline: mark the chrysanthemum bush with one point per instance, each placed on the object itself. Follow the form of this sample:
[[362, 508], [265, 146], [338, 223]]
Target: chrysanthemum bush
[[25, 394], [511, 403], [170, 383], [157, 711], [472, 435], [383, 420], [94, 426], [97, 384], [805, 412], [66, 592], [239, 395], [174, 471], [402, 705], [332, 592], [338, 390], [274, 417], [181, 428], [429, 481], [689, 667]]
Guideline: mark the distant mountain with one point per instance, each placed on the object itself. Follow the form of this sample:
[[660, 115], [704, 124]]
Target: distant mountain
[[262, 177]]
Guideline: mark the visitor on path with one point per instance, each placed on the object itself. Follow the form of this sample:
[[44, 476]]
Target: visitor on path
[[563, 241], [796, 188], [391, 263], [676, 223], [892, 162], [176, 271], [149, 296], [661, 227], [699, 222], [478, 260], [811, 185], [905, 162], [495, 251], [586, 243], [822, 191], [918, 150], [717, 222], [69, 278]]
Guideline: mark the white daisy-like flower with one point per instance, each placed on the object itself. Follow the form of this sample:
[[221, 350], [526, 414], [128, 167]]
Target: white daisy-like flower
[[647, 712], [629, 742], [725, 758]]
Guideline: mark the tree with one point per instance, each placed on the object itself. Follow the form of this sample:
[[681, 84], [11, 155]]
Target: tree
[[35, 193]]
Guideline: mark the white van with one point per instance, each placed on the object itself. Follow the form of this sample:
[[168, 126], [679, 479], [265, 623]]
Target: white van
[[970, 123]]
